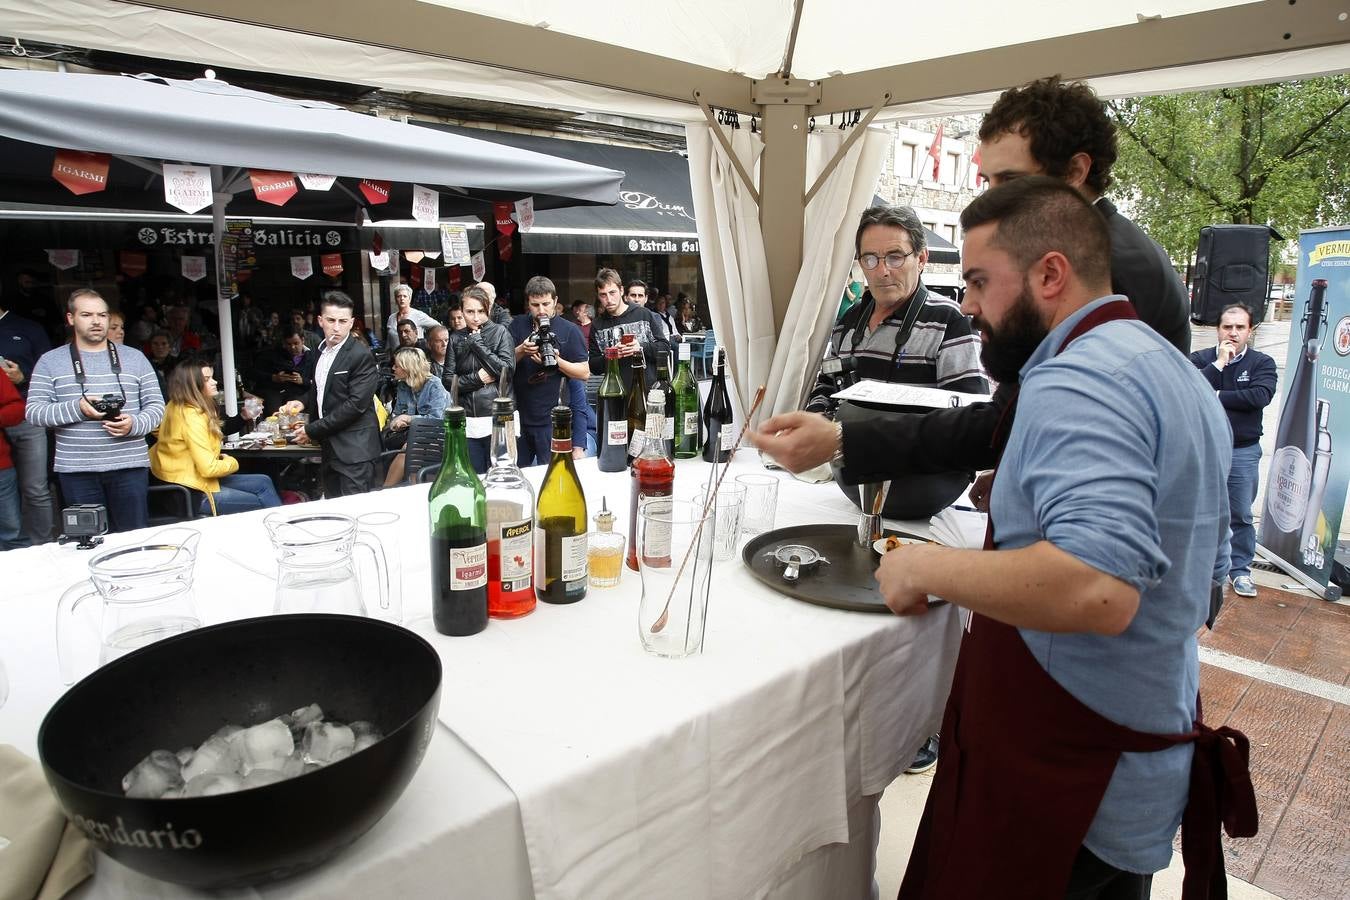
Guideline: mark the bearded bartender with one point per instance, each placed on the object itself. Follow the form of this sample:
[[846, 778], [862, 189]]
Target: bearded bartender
[[1072, 739]]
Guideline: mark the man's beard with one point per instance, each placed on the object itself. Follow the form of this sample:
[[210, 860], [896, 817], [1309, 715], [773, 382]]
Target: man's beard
[[1005, 350]]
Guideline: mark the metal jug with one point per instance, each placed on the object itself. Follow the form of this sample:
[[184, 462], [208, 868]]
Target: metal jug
[[316, 571], [145, 594]]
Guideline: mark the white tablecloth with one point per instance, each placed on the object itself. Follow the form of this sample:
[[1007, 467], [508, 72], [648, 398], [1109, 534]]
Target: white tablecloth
[[570, 763]]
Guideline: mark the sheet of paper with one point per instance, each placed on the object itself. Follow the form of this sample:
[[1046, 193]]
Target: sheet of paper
[[892, 394]]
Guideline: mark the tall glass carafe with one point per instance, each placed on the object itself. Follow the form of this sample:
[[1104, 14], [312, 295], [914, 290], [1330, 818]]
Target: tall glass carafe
[[510, 522], [458, 510], [1291, 467]]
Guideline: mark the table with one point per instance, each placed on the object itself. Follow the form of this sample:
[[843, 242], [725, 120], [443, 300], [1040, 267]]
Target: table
[[470, 824]]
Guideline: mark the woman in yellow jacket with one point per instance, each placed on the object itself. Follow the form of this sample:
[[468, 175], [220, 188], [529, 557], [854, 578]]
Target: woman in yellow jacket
[[188, 450]]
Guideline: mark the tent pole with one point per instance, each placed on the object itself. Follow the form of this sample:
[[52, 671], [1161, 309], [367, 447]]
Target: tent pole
[[218, 200], [782, 210]]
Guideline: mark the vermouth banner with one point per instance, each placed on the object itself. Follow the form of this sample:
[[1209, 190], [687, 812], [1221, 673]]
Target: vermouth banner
[[1309, 471]]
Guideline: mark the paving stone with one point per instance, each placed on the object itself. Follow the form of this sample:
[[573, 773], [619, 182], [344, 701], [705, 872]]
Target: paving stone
[[1318, 644]]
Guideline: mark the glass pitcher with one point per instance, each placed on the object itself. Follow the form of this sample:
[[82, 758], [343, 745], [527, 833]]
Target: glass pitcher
[[145, 593], [315, 568]]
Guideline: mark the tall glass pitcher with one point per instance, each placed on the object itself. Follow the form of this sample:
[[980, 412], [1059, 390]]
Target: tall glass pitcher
[[315, 568]]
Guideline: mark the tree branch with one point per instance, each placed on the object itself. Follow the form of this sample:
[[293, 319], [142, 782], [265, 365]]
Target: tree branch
[[1167, 166], [1294, 148]]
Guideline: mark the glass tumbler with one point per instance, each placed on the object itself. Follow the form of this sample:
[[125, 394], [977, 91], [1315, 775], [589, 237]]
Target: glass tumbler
[[675, 556], [761, 502], [730, 508]]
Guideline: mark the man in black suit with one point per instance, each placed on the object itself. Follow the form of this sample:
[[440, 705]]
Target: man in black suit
[[281, 371], [342, 392]]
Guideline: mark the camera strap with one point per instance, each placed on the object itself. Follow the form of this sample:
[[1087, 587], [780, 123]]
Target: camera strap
[[916, 303], [114, 361]]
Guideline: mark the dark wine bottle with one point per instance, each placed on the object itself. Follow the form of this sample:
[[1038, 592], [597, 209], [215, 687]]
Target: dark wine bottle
[[717, 411], [1291, 468], [668, 413], [560, 564], [459, 564], [637, 407], [613, 431]]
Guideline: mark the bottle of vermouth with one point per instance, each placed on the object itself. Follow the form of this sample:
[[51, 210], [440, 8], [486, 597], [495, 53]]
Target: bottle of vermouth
[[613, 429], [653, 476], [1291, 468], [717, 411], [458, 511], [560, 571], [1312, 537], [510, 521], [668, 415], [688, 421], [637, 406]]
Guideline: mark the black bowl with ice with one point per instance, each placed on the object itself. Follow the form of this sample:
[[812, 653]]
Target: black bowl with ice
[[178, 691]]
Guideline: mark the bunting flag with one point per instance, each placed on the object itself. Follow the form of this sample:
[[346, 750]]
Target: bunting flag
[[413, 256], [80, 172], [375, 192], [331, 263], [379, 261], [273, 187], [63, 259], [426, 204], [132, 263], [376, 243], [429, 280], [317, 182], [506, 227], [187, 187], [452, 278], [194, 268], [935, 151], [525, 214], [415, 277], [479, 266], [302, 267]]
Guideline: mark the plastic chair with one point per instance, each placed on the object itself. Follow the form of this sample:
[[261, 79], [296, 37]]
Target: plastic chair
[[701, 355], [425, 448], [175, 497]]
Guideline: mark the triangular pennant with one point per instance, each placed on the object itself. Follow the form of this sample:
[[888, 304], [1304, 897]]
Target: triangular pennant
[[80, 172], [302, 267], [426, 204], [479, 266], [375, 192], [187, 187], [316, 182], [415, 277], [505, 224], [379, 261], [273, 187], [132, 263], [194, 268], [452, 278], [332, 264], [63, 259], [525, 214], [428, 280]]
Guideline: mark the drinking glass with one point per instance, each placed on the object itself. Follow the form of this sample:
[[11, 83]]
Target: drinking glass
[[730, 506], [675, 556], [761, 502]]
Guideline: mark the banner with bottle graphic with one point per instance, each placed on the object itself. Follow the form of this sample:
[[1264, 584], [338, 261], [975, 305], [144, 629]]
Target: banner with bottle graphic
[[1310, 468]]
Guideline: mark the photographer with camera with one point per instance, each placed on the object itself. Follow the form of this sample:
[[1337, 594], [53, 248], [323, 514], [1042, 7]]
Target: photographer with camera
[[549, 350], [101, 399], [480, 357]]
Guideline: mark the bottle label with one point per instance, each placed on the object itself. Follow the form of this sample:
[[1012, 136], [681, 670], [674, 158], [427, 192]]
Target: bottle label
[[574, 565], [668, 428], [561, 445], [1287, 494], [635, 445], [727, 437], [657, 531], [468, 567], [617, 432], [517, 554], [691, 423]]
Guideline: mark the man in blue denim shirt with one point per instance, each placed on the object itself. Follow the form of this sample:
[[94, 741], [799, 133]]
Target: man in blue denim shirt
[[1110, 519]]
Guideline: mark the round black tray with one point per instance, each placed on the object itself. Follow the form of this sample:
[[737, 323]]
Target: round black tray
[[846, 583]]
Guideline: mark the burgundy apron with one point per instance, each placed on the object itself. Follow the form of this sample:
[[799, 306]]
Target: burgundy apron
[[1023, 767]]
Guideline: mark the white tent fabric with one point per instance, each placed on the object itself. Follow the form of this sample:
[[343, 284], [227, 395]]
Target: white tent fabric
[[831, 222], [735, 271]]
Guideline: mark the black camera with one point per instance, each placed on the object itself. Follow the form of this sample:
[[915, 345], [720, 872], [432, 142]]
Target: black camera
[[110, 405], [841, 370], [85, 522], [547, 343]]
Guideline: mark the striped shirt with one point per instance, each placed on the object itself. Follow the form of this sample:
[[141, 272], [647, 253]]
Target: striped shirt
[[942, 350], [81, 443]]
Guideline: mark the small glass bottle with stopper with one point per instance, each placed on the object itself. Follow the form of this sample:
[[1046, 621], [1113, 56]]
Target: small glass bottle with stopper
[[605, 550]]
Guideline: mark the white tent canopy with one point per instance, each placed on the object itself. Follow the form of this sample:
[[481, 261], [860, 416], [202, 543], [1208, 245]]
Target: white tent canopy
[[782, 61]]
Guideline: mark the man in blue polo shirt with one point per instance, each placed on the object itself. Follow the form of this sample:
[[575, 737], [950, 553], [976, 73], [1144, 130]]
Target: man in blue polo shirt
[[1244, 378], [537, 389]]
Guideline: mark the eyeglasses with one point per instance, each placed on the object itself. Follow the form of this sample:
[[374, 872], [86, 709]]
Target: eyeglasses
[[893, 260]]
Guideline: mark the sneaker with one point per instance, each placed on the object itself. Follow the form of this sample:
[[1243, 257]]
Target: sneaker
[[926, 758], [1243, 586]]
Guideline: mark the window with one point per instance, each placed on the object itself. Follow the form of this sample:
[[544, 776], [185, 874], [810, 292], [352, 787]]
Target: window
[[905, 155], [951, 169], [931, 226], [949, 232]]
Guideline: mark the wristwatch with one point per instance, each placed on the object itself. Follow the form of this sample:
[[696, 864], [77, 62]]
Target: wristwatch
[[839, 443]]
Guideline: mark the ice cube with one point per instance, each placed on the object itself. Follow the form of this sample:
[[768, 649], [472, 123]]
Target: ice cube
[[298, 719], [153, 776], [265, 746], [293, 765], [185, 755], [327, 742], [361, 728], [262, 777], [211, 783], [216, 757]]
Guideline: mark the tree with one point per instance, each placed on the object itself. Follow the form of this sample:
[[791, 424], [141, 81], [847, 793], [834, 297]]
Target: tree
[[1276, 154]]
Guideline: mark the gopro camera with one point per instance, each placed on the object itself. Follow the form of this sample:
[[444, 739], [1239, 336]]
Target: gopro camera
[[85, 522], [110, 405], [547, 342]]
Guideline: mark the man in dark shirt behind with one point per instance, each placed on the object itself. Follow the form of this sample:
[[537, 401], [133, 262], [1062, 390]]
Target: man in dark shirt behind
[[635, 330], [1245, 379]]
